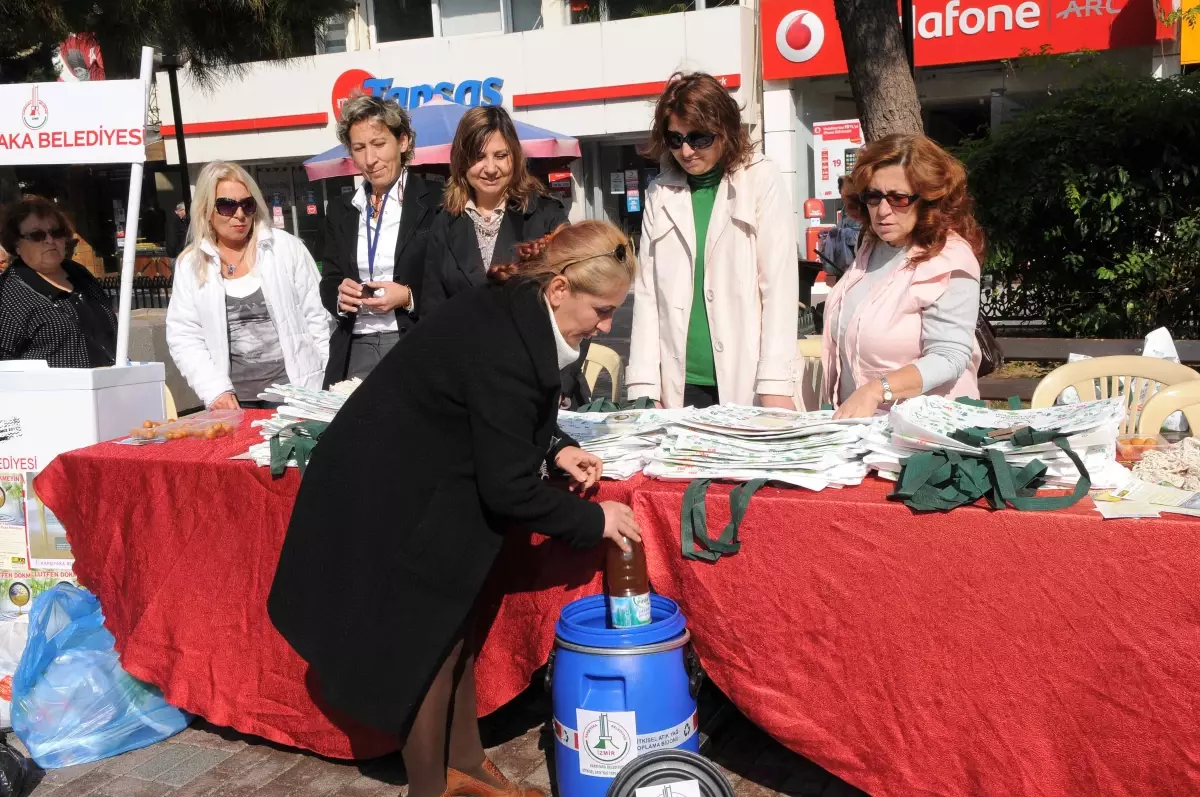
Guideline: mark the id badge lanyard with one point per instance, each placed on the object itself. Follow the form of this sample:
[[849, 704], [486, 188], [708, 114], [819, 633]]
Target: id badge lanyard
[[373, 241]]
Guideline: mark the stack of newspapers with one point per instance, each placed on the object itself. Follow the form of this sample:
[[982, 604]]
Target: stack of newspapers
[[929, 422], [807, 449], [297, 404]]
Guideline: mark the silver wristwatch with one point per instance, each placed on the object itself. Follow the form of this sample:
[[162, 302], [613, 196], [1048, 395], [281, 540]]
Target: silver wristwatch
[[887, 389]]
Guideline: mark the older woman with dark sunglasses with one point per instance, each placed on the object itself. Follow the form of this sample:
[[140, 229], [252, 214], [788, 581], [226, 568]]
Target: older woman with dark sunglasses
[[901, 321], [716, 299], [51, 308], [246, 311]]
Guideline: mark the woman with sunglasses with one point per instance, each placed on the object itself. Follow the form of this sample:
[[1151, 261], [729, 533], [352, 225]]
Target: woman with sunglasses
[[245, 312], [493, 205], [901, 321], [471, 399], [716, 302], [51, 308]]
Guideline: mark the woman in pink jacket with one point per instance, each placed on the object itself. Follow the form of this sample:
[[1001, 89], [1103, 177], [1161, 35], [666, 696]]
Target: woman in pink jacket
[[717, 294], [901, 321]]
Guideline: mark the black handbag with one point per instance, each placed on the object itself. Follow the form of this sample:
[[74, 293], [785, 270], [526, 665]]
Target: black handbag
[[992, 357]]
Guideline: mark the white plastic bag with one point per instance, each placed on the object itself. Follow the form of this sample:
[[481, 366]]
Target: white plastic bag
[[14, 630]]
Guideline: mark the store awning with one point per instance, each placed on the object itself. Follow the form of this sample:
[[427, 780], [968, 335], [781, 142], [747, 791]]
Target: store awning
[[434, 123]]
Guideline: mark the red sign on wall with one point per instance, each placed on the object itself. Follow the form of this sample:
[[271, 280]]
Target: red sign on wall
[[801, 38]]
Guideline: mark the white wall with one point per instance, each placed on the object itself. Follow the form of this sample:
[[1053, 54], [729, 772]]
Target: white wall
[[552, 59]]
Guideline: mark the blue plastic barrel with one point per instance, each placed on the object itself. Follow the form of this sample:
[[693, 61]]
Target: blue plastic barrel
[[619, 692]]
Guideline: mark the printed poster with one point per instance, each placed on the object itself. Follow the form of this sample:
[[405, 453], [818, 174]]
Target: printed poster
[[48, 546], [835, 149], [13, 555]]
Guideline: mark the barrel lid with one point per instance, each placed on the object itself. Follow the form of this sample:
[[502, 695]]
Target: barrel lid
[[585, 622], [688, 775]]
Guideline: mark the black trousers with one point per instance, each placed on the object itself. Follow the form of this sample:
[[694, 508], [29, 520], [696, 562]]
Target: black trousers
[[700, 396]]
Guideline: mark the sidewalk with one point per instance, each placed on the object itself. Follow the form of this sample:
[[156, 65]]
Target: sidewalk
[[205, 760]]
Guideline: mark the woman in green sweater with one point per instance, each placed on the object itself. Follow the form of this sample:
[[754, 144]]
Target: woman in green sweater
[[715, 302]]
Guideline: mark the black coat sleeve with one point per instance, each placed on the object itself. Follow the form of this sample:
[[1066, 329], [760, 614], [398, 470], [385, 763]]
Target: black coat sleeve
[[551, 215], [333, 262], [432, 292], [503, 414]]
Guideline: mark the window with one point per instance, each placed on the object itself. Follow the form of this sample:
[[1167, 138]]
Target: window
[[605, 10], [526, 15], [334, 38], [401, 20], [463, 17]]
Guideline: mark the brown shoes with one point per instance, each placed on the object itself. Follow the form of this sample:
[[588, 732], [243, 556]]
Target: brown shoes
[[460, 784]]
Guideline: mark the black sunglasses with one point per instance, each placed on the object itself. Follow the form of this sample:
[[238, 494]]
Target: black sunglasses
[[40, 236], [894, 199], [620, 253], [694, 139], [228, 207]]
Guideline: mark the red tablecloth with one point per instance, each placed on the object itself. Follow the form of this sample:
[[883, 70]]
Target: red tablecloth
[[972, 653]]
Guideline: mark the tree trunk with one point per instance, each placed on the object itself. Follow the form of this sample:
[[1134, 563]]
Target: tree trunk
[[883, 87]]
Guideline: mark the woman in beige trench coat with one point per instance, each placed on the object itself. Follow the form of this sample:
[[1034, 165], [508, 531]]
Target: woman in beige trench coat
[[732, 338]]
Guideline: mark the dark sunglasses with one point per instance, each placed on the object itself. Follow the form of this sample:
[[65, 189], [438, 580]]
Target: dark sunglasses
[[40, 236], [620, 253], [228, 207], [894, 199], [694, 139]]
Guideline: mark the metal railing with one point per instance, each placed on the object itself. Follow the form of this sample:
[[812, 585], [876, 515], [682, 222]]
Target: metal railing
[[148, 292]]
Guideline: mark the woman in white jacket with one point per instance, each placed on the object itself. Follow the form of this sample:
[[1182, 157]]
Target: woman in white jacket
[[717, 295], [245, 310]]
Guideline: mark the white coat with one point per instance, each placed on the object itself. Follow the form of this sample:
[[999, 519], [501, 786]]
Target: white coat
[[197, 331], [751, 287]]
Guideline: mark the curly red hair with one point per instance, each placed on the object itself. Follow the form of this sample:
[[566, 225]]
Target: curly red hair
[[936, 176]]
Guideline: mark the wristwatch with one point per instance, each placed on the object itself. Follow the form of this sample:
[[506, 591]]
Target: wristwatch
[[887, 389]]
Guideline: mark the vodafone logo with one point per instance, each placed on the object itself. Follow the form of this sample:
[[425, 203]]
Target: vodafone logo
[[799, 36]]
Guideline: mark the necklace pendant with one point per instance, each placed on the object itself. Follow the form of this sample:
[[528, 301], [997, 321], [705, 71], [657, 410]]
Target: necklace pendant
[[230, 268]]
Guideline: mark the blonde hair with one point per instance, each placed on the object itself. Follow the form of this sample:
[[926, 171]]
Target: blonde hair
[[204, 201], [474, 129], [584, 254]]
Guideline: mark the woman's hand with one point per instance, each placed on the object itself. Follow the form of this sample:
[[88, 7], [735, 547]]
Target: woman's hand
[[584, 469], [619, 525], [225, 401], [862, 402], [777, 402], [393, 296], [349, 296]]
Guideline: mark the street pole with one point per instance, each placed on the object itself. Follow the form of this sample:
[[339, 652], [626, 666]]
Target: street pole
[[171, 64]]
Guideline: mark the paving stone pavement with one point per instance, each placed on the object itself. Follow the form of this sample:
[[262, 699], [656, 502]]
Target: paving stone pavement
[[206, 761]]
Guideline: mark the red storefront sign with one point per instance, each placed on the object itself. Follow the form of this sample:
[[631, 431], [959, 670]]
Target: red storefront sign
[[801, 38]]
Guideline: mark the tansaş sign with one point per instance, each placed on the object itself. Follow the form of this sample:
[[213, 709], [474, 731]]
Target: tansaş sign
[[467, 92]]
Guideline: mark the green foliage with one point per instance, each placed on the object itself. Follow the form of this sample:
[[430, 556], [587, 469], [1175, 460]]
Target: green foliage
[[1091, 203], [216, 35]]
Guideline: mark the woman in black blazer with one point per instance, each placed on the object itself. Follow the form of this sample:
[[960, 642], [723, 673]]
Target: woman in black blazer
[[492, 206], [374, 256], [463, 418]]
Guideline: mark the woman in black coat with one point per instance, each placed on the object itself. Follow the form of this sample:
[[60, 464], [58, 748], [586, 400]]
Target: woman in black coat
[[492, 206], [462, 418], [375, 239], [51, 308]]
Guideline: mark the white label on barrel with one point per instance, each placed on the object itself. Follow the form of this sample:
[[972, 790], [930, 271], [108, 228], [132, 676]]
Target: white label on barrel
[[680, 788], [607, 741], [671, 737]]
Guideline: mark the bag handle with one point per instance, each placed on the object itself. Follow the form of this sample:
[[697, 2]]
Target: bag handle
[[696, 543]]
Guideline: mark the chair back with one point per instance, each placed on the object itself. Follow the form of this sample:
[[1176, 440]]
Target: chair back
[[1135, 377], [602, 358], [1183, 397]]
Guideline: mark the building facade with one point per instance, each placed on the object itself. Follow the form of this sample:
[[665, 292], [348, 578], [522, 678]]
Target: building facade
[[593, 80]]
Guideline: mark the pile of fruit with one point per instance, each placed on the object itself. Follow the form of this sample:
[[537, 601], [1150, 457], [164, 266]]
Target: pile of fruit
[[206, 426]]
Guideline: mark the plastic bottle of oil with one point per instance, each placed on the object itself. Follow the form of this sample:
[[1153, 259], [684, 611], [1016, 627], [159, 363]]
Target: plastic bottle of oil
[[628, 586]]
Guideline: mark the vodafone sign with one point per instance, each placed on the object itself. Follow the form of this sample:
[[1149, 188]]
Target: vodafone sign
[[801, 38]]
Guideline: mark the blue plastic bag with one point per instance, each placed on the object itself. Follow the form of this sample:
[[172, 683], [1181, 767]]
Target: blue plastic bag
[[72, 703]]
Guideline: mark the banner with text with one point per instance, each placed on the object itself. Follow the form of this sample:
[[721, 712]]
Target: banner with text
[[67, 123]]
